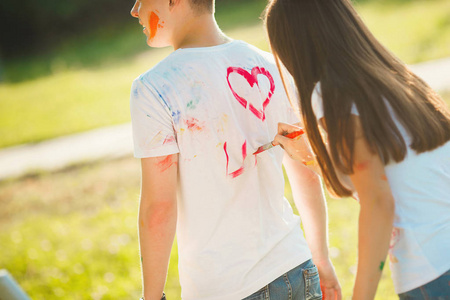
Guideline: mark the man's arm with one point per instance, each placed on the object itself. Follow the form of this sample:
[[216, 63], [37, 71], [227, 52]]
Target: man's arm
[[157, 221]]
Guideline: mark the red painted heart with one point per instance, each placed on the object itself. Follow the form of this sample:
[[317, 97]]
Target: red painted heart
[[252, 79]]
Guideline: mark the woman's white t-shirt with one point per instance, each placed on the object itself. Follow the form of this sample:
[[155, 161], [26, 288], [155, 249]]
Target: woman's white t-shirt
[[420, 243]]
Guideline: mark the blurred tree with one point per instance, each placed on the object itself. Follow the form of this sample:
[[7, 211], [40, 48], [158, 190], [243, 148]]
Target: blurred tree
[[28, 25]]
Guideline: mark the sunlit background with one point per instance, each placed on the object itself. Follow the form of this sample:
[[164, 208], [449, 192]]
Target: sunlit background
[[67, 67]]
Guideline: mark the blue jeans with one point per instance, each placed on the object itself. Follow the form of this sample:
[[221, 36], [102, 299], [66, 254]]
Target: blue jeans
[[438, 289], [300, 283]]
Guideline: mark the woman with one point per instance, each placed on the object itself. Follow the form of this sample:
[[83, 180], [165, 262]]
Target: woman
[[386, 129]]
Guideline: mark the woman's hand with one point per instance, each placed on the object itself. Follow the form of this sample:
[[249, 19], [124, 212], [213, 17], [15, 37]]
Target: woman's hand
[[297, 148]]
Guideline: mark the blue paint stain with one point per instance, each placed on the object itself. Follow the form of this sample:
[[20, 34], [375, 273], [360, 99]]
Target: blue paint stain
[[136, 93], [176, 116], [162, 98]]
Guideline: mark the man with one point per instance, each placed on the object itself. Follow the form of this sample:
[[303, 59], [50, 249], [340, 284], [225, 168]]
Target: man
[[198, 116]]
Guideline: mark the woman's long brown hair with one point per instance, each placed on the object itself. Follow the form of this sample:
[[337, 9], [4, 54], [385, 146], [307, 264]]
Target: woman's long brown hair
[[326, 41]]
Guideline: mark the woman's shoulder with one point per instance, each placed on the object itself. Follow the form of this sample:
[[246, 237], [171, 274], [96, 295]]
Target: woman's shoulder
[[317, 102]]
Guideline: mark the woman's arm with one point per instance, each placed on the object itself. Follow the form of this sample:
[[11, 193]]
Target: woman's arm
[[377, 207], [157, 221], [375, 218]]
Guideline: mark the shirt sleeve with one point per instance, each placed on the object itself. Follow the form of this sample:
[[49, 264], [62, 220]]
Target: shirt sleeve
[[151, 119], [317, 103]]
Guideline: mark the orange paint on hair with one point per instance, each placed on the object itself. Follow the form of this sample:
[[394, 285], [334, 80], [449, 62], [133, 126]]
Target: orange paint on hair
[[153, 21]]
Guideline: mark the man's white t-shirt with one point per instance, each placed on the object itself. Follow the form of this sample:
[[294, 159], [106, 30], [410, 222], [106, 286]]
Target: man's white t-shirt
[[215, 106], [419, 251]]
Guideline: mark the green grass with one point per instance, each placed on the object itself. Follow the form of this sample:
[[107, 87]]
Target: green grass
[[415, 30], [72, 234], [87, 81]]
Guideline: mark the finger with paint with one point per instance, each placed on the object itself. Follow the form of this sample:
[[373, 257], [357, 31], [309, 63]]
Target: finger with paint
[[297, 148], [292, 135]]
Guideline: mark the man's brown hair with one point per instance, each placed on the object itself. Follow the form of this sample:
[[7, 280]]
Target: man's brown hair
[[202, 6]]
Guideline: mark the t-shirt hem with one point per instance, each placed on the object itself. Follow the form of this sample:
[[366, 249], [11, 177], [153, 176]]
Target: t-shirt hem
[[411, 285], [259, 284], [157, 152]]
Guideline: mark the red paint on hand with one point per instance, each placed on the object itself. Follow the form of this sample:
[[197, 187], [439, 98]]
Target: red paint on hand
[[295, 134]]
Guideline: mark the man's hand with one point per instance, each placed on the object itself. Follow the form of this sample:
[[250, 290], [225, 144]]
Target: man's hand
[[329, 284]]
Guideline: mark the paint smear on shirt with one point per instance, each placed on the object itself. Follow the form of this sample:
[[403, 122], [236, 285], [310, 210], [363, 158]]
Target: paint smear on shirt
[[166, 163], [153, 22], [222, 123], [395, 236], [157, 138], [252, 79], [176, 116], [194, 125], [239, 171], [169, 139], [192, 104]]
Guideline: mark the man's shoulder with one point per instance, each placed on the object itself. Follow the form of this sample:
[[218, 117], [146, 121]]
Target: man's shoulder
[[185, 60], [259, 51], [158, 69]]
